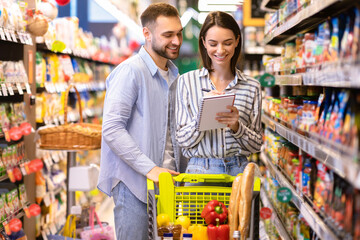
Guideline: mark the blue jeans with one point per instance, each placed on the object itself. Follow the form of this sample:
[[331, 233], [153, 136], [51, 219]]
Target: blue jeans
[[130, 215], [231, 165]]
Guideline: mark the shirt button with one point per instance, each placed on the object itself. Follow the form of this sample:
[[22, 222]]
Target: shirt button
[[222, 146]]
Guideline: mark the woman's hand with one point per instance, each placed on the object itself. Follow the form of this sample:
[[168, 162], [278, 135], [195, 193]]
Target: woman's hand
[[231, 119]]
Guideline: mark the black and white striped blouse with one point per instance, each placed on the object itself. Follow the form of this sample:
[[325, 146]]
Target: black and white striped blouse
[[218, 143]]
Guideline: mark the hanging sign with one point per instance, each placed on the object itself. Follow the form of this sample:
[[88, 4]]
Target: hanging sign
[[265, 213], [284, 195], [267, 80]]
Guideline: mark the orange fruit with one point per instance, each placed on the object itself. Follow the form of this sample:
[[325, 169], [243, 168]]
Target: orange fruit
[[163, 220], [184, 221]]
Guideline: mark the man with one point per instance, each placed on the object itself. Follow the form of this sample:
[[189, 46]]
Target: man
[[138, 122]]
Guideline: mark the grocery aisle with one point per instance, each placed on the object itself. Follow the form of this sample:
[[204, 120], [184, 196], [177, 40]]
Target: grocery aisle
[[304, 53], [310, 154]]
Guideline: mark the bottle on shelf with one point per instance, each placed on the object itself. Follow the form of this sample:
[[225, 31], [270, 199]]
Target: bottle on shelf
[[168, 236], [236, 235], [187, 236]]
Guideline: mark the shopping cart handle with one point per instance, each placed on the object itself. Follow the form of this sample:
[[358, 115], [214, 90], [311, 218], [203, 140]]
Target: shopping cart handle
[[198, 178]]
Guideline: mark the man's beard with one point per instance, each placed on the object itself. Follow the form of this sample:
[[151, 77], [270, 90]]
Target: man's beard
[[163, 53]]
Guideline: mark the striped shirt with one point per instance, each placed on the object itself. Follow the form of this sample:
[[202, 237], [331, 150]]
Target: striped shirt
[[218, 143]]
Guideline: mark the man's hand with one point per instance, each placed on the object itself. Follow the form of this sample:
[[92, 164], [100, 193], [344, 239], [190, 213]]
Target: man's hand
[[155, 172]]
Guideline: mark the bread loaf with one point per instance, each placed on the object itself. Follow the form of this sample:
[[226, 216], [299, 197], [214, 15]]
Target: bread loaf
[[246, 190], [234, 205]]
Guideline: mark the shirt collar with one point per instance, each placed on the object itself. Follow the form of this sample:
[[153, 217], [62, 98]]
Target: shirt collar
[[151, 65]]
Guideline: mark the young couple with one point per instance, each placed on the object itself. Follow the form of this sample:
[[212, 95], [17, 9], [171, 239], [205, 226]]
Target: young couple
[[149, 120]]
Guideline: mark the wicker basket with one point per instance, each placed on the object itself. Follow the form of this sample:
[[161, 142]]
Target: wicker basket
[[74, 136]]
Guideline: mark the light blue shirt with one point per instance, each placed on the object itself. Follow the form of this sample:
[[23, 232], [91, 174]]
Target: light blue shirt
[[135, 122]]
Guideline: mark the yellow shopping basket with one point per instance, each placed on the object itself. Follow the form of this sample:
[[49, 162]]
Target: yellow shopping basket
[[189, 201]]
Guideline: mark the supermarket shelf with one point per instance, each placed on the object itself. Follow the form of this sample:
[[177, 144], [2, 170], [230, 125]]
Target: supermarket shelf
[[271, 50], [83, 54], [341, 163], [305, 19], [19, 214], [15, 36], [275, 217], [314, 221], [262, 232], [51, 87], [343, 74], [4, 177], [272, 4], [13, 89], [291, 80]]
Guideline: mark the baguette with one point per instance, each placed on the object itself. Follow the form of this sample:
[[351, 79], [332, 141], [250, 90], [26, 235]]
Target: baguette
[[234, 205], [246, 190]]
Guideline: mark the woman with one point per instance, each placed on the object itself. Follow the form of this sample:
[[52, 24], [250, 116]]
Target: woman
[[220, 150]]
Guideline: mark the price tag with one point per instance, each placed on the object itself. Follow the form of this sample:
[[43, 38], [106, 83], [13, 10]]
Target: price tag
[[52, 87], [55, 156], [272, 126], [30, 40], [2, 34], [64, 87], [47, 200], [11, 91], [53, 228], [27, 86], [311, 149], [56, 121], [46, 85], [19, 88], [301, 143], [13, 35], [63, 154], [4, 89], [44, 236], [7, 33], [21, 37]]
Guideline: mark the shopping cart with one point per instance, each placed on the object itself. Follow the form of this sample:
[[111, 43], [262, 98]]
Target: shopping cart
[[190, 200]]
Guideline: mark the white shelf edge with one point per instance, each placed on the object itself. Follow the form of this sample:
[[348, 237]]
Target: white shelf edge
[[299, 17], [278, 223], [329, 75], [314, 221], [273, 50], [20, 37], [344, 166], [81, 87]]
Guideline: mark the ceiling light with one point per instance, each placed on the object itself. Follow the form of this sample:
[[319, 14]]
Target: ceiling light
[[219, 5], [131, 25]]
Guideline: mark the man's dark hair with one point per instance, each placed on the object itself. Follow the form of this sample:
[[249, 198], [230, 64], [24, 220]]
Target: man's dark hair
[[154, 10]]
